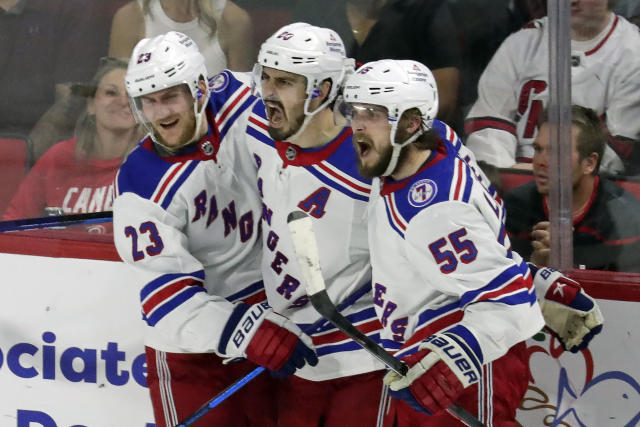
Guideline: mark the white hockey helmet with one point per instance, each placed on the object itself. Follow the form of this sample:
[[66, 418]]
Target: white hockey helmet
[[162, 62], [314, 52], [397, 85]]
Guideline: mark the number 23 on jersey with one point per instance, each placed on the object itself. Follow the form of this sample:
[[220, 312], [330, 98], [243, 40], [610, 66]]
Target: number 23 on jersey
[[146, 228]]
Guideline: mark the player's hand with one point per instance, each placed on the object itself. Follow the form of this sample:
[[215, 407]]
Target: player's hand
[[438, 372], [541, 243], [281, 346], [267, 339], [568, 311]]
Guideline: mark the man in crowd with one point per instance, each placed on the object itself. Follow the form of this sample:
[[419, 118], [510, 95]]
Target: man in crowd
[[606, 230], [605, 76]]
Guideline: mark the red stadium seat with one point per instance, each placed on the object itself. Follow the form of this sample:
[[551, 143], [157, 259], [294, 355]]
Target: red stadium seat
[[512, 178], [632, 187], [13, 167]]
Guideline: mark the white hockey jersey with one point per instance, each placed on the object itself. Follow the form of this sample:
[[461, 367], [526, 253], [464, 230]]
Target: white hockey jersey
[[442, 261], [191, 222], [323, 182], [513, 91]]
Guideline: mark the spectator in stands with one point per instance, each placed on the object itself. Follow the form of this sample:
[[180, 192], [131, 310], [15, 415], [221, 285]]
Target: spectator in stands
[[512, 91], [220, 28], [422, 30], [606, 227], [76, 175], [523, 11], [630, 9], [45, 45], [482, 25]]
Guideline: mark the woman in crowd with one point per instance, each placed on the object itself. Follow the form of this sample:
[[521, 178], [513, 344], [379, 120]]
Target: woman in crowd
[[76, 175], [220, 28]]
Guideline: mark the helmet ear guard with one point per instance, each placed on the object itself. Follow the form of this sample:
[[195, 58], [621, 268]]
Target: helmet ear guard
[[342, 112]]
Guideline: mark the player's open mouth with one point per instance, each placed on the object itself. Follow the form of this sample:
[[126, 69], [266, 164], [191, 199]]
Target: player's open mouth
[[275, 113], [362, 145], [169, 124]]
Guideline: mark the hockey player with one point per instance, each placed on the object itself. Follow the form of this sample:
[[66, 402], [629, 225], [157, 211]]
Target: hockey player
[[605, 76], [311, 166], [186, 218], [455, 302]]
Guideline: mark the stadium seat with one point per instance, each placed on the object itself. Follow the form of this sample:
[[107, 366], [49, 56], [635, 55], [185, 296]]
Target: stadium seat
[[13, 167], [632, 185], [512, 178]]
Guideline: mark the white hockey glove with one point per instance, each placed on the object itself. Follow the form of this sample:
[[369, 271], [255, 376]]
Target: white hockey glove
[[267, 339], [567, 310], [438, 372]]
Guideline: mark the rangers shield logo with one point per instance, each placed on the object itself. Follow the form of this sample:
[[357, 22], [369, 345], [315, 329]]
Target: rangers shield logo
[[422, 193], [219, 82]]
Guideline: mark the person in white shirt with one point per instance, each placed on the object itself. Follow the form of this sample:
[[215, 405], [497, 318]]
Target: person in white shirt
[[513, 89]]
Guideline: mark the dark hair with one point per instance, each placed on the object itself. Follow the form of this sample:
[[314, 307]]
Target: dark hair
[[592, 137], [492, 173], [428, 140], [85, 130]]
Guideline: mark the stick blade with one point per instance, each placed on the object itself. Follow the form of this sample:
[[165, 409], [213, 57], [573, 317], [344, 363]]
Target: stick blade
[[306, 248], [296, 215]]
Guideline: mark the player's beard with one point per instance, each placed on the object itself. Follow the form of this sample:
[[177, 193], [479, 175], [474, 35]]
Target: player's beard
[[283, 133], [378, 168], [186, 136], [384, 156]]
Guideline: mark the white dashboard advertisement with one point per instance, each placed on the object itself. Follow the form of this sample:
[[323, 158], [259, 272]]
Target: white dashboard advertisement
[[71, 354]]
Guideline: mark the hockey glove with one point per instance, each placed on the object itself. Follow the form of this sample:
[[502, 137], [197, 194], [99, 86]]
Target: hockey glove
[[572, 315], [267, 339], [438, 372]]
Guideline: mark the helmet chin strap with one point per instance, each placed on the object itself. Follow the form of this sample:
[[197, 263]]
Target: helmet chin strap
[[294, 137], [199, 115], [397, 147], [308, 115]]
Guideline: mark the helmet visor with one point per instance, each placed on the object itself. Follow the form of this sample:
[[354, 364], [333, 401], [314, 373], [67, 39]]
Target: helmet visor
[[345, 113], [162, 105]]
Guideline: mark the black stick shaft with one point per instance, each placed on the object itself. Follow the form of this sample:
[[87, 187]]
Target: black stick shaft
[[55, 221], [322, 303]]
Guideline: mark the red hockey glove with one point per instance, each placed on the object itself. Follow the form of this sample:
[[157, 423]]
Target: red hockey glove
[[572, 315], [267, 339], [440, 370]]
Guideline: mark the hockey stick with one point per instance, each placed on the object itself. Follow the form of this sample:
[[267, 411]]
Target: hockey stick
[[227, 392], [221, 397], [306, 249], [55, 221]]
